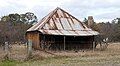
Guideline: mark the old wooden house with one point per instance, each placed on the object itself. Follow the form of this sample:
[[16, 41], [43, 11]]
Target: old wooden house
[[59, 30]]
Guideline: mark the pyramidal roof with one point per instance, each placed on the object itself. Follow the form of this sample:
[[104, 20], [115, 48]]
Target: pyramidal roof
[[60, 22]]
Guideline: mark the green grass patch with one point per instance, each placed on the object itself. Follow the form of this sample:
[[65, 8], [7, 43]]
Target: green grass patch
[[8, 63]]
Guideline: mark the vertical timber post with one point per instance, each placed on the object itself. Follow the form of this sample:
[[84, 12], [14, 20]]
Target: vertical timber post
[[64, 42], [93, 43], [93, 46], [7, 50], [44, 45], [29, 48], [6, 47]]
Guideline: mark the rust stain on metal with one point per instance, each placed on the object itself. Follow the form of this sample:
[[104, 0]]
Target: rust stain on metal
[[55, 27], [60, 22]]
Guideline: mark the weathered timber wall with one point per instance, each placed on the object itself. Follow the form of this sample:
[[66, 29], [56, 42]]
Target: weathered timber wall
[[35, 37]]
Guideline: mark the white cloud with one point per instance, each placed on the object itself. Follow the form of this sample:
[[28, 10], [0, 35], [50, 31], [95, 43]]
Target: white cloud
[[100, 9], [3, 3]]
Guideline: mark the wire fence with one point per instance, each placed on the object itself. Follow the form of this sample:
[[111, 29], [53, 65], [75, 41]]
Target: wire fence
[[13, 51], [24, 51]]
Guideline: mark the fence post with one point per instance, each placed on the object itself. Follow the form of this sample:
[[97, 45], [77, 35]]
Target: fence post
[[7, 50], [29, 48]]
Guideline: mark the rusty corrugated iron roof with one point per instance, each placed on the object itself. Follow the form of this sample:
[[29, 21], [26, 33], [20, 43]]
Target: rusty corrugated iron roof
[[59, 22], [69, 32]]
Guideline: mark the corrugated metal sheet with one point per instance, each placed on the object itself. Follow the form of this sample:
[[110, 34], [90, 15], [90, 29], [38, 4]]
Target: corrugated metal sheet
[[59, 22], [69, 32]]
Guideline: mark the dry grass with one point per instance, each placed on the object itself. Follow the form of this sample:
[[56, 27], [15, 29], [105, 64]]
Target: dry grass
[[17, 52], [109, 57]]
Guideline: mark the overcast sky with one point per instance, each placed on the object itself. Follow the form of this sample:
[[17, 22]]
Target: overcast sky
[[101, 10]]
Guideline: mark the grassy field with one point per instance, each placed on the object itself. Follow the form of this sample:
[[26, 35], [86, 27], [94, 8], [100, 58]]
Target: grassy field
[[109, 57]]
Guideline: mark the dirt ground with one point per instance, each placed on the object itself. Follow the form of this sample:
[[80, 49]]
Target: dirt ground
[[109, 57]]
